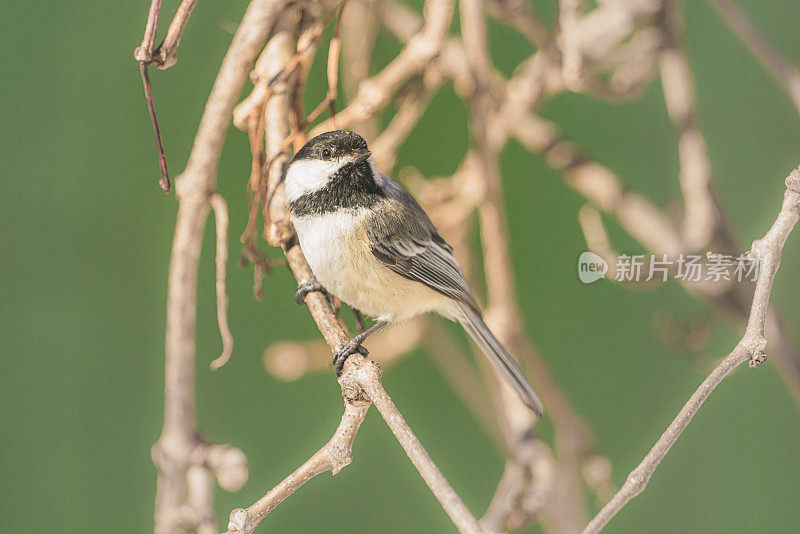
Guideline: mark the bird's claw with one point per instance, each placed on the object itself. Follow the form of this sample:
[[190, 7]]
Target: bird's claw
[[345, 351], [305, 287]]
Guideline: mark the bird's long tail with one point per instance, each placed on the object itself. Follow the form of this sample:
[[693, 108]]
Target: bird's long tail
[[500, 359]]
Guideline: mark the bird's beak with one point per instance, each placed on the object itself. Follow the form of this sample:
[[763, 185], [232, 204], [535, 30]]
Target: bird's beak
[[361, 155]]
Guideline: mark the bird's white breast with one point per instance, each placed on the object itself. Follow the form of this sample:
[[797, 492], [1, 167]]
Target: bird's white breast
[[328, 242], [337, 249]]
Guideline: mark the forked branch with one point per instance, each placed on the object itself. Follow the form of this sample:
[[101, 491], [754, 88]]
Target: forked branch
[[360, 381], [361, 386]]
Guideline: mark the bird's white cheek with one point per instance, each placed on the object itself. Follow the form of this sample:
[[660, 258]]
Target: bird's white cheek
[[308, 176]]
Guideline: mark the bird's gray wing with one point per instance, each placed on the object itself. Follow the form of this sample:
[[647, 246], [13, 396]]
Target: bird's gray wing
[[403, 238]]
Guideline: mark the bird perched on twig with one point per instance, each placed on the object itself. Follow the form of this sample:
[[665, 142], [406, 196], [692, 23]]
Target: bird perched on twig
[[370, 244]]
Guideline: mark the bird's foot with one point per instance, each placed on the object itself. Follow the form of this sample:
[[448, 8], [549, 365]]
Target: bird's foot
[[308, 286], [346, 350]]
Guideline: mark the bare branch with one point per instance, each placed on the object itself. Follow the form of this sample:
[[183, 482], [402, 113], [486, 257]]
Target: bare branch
[[144, 53], [700, 214], [361, 385], [366, 374], [163, 182], [360, 31], [412, 106], [174, 452], [572, 70], [221, 217], [525, 488], [368, 377], [290, 360], [333, 456], [519, 15], [781, 70], [767, 251], [374, 93], [165, 55]]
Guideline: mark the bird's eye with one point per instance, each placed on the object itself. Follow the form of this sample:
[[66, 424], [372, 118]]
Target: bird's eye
[[326, 153]]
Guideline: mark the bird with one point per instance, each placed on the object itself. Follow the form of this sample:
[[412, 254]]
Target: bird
[[370, 244]]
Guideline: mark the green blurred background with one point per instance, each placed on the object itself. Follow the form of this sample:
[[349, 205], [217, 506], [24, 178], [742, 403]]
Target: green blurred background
[[85, 246]]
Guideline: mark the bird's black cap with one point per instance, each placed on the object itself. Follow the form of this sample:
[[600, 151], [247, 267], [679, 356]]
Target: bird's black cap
[[331, 145]]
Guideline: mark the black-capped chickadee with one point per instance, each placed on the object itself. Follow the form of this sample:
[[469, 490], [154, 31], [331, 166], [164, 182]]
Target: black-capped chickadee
[[370, 243]]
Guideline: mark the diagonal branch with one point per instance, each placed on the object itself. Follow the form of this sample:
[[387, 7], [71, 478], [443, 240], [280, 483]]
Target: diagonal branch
[[767, 251], [165, 55], [779, 68], [374, 92], [361, 386], [361, 378], [333, 457]]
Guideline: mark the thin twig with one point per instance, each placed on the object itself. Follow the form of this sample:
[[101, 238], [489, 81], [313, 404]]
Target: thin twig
[[163, 182], [164, 57], [767, 251], [221, 217]]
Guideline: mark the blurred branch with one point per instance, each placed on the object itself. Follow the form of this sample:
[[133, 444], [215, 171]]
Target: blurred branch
[[773, 61], [525, 489], [700, 215], [289, 360], [519, 15], [374, 92], [767, 251]]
